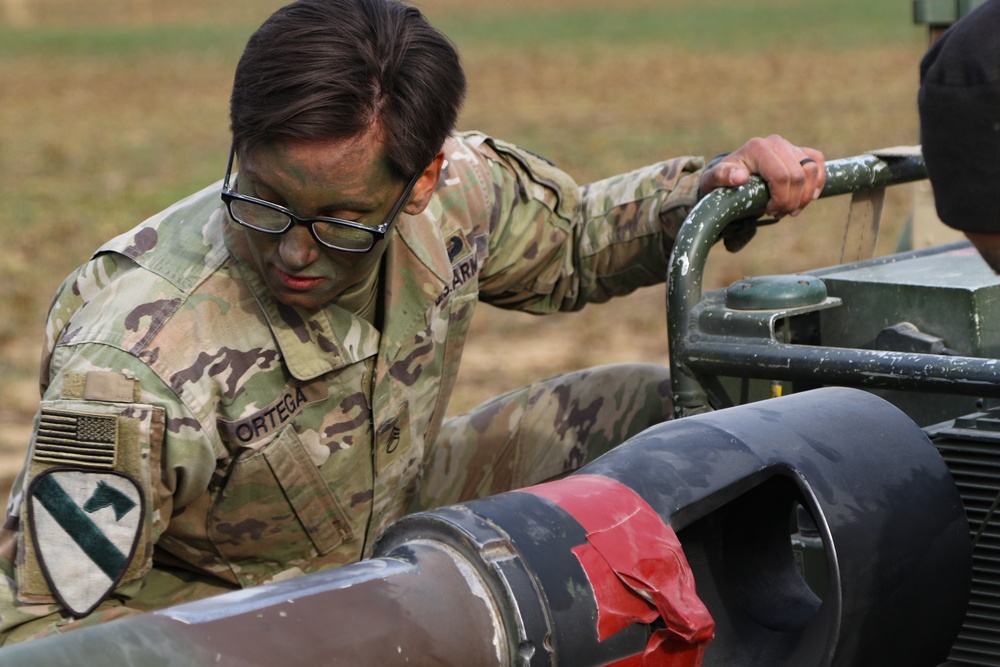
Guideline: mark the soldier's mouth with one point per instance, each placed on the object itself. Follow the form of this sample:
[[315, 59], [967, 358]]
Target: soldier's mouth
[[297, 283]]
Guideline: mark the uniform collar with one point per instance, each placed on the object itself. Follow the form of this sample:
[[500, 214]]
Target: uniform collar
[[312, 343], [424, 241]]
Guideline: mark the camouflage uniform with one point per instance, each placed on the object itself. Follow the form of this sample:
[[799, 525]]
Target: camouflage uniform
[[232, 440]]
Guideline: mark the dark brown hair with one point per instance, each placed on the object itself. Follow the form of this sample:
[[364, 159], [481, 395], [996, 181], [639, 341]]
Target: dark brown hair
[[337, 69]]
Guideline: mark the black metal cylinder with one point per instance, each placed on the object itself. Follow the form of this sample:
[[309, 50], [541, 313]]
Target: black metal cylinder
[[507, 580]]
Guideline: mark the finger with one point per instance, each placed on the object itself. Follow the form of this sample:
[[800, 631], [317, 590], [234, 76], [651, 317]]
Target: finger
[[788, 180], [805, 192], [734, 174], [820, 174], [726, 174], [814, 170], [772, 160]]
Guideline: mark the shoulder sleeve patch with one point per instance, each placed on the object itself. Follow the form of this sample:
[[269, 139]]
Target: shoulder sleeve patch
[[76, 438], [87, 510], [85, 527]]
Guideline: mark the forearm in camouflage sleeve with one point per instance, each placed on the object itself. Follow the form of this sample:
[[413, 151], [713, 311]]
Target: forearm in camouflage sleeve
[[627, 226], [557, 246]]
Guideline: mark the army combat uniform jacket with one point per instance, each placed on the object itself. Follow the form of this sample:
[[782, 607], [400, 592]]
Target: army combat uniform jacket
[[193, 430]]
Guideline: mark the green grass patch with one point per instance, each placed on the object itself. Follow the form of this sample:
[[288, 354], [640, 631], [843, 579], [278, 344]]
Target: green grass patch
[[718, 25], [735, 26], [124, 41]]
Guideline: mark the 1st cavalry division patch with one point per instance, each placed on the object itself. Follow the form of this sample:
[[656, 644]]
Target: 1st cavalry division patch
[[88, 523], [85, 516]]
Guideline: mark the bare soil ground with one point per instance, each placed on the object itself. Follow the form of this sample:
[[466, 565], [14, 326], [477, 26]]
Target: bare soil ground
[[91, 144]]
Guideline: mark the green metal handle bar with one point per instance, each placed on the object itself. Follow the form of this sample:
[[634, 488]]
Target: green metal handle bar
[[691, 357]]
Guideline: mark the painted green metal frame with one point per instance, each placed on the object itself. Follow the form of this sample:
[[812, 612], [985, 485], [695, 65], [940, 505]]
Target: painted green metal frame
[[698, 356]]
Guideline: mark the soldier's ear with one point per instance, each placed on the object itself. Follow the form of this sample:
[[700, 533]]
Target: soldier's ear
[[425, 186]]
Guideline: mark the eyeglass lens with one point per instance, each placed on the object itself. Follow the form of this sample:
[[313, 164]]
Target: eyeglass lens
[[268, 219]]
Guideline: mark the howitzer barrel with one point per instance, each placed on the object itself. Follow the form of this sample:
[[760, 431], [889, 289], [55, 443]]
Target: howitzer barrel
[[422, 607], [589, 571]]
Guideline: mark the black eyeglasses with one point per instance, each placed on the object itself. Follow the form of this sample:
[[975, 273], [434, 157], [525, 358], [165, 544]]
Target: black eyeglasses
[[334, 233]]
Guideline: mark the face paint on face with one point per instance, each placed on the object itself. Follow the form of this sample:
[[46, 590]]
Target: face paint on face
[[333, 178]]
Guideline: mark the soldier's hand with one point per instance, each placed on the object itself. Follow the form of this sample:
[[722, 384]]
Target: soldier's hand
[[795, 176]]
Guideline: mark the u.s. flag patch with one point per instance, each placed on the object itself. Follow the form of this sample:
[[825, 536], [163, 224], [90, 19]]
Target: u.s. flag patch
[[85, 526], [76, 438]]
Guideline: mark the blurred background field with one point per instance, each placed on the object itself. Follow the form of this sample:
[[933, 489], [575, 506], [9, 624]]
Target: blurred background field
[[111, 111]]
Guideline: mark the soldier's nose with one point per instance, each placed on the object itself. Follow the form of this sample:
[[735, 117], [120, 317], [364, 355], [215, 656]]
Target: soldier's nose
[[298, 248]]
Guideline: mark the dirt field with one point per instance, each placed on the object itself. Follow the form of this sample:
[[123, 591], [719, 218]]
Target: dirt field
[[112, 111]]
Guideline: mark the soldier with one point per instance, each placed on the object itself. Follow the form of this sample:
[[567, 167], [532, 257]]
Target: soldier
[[959, 103], [248, 389]]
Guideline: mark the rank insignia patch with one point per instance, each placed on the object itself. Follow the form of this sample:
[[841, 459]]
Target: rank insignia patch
[[89, 523]]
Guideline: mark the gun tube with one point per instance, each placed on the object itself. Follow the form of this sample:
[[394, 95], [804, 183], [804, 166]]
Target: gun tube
[[501, 580], [424, 606]]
